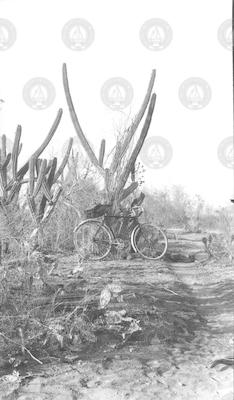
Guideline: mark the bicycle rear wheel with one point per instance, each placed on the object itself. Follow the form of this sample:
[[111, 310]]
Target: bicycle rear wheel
[[92, 240], [149, 241]]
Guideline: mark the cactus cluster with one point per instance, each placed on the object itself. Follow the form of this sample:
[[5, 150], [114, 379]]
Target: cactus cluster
[[43, 178], [40, 175]]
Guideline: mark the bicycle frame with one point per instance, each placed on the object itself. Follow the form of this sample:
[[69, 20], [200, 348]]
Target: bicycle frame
[[119, 217]]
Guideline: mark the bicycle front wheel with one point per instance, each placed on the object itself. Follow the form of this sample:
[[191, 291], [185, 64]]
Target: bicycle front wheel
[[149, 241], [92, 240]]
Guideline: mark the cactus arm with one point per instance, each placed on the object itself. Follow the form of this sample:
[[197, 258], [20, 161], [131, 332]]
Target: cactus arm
[[133, 173], [51, 176], [3, 176], [32, 208], [3, 187], [129, 190], [50, 134], [13, 192], [46, 191], [108, 185], [41, 177], [125, 174], [4, 149], [4, 158], [64, 161], [47, 140], [49, 182], [51, 207], [20, 148], [132, 129], [31, 175], [102, 152], [42, 207], [49, 165], [76, 123], [6, 162], [43, 184], [38, 165], [15, 151]]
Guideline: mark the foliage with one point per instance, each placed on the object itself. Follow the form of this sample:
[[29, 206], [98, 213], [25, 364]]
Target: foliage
[[173, 207], [15, 228], [168, 208]]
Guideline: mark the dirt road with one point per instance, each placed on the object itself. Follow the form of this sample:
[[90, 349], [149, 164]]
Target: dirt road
[[163, 329]]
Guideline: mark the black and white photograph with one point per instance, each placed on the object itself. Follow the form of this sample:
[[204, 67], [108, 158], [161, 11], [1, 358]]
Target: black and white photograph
[[116, 200]]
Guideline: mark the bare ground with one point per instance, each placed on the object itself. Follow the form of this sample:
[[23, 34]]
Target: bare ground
[[177, 319]]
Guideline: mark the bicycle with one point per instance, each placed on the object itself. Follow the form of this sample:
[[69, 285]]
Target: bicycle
[[94, 237]]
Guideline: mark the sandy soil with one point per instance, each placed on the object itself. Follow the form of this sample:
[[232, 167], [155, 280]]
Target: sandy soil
[[183, 316]]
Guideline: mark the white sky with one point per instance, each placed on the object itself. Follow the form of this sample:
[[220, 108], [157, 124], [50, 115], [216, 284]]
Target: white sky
[[117, 51]]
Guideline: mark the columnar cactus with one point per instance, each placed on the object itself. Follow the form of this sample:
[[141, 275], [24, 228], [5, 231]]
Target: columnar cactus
[[121, 167], [46, 183], [43, 177], [10, 187]]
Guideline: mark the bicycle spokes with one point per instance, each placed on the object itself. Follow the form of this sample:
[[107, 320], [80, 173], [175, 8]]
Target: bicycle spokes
[[92, 240], [150, 241]]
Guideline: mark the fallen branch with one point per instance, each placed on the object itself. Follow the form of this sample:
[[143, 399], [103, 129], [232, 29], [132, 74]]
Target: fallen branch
[[25, 348]]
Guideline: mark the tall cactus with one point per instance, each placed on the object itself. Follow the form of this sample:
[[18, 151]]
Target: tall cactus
[[122, 165]]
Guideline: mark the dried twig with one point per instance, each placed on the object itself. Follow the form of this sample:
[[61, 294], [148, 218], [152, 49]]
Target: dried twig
[[171, 291], [25, 348], [73, 312]]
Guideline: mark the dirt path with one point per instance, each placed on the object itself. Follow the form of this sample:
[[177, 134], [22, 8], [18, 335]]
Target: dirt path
[[183, 316]]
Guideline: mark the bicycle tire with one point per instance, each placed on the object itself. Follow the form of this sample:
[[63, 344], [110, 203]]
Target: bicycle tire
[[149, 254], [83, 247]]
